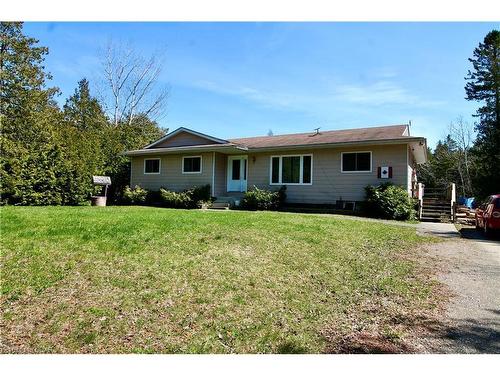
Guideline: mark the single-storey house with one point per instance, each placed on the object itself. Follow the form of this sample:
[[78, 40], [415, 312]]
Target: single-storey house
[[321, 167]]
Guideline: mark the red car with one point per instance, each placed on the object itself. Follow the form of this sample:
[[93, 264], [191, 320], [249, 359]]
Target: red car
[[488, 214]]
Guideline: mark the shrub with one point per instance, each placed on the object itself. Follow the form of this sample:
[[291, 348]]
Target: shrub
[[173, 199], [389, 201], [137, 195], [261, 199], [200, 193], [282, 195]]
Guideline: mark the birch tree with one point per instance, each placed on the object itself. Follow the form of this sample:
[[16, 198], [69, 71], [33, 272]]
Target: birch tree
[[131, 84], [462, 134]]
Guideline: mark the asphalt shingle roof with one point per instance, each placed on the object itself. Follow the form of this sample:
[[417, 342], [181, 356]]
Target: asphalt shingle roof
[[330, 136]]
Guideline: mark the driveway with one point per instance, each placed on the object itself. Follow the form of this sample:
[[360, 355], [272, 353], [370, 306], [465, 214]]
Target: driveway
[[470, 267]]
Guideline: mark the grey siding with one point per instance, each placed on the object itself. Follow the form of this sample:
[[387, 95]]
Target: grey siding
[[171, 176], [328, 183], [220, 174], [412, 165], [184, 139]]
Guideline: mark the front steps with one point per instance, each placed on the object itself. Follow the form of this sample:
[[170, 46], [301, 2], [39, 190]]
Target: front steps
[[225, 203], [436, 209]]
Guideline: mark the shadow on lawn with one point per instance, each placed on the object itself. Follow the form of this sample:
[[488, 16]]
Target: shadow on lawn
[[464, 336]]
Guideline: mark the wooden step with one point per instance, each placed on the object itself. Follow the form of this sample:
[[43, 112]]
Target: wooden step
[[436, 210]]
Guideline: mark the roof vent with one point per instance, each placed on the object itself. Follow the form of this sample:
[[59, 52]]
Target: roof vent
[[316, 132]]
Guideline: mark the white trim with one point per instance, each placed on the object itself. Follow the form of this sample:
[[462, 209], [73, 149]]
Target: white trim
[[159, 166], [355, 152], [213, 174], [280, 175], [409, 184], [186, 130], [189, 157]]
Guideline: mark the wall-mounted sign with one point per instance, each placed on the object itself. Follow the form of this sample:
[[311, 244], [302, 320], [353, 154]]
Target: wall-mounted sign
[[384, 172]]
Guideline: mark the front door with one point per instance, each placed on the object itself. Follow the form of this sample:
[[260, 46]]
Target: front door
[[237, 173]]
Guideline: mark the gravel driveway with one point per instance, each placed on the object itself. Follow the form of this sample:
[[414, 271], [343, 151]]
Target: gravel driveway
[[471, 270]]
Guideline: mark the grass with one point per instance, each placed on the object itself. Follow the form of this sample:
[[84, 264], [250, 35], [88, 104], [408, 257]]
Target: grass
[[150, 280]]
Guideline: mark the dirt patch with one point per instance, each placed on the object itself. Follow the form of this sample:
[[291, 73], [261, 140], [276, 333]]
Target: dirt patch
[[371, 343]]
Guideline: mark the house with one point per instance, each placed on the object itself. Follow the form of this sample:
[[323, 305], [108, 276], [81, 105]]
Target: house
[[321, 167]]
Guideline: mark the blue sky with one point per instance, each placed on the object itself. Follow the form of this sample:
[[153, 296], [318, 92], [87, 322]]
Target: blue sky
[[242, 79]]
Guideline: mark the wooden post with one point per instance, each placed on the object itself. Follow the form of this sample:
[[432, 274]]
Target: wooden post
[[453, 201], [420, 193]]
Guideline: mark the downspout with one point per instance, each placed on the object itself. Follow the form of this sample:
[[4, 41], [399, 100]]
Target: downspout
[[213, 174]]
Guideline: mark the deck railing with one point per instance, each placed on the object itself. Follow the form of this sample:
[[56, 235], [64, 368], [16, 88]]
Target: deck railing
[[448, 194], [420, 197]]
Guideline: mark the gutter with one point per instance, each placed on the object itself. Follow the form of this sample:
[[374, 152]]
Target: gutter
[[243, 149], [341, 144], [186, 149]]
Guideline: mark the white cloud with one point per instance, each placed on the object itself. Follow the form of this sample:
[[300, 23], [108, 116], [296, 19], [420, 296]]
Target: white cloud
[[381, 93]]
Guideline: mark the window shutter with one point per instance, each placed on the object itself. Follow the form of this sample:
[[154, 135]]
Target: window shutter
[[390, 172], [379, 172]]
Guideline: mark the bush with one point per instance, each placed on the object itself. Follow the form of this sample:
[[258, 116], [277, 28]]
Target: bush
[[261, 199], [389, 201], [136, 195], [173, 199], [200, 193], [191, 198]]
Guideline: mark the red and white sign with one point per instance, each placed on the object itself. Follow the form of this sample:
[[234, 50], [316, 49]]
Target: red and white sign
[[384, 172]]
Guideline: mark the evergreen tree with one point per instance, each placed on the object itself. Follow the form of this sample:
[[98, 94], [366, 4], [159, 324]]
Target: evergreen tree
[[47, 155], [84, 111], [27, 112], [484, 86]]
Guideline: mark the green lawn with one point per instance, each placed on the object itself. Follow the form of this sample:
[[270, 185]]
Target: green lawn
[[138, 279]]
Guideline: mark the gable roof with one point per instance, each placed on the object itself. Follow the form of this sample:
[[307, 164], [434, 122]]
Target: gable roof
[[186, 130], [379, 133]]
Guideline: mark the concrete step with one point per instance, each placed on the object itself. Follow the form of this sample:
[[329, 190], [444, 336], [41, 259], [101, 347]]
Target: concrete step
[[227, 199], [220, 205]]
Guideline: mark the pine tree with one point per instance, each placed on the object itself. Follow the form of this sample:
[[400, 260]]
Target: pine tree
[[84, 111], [27, 112], [484, 86]]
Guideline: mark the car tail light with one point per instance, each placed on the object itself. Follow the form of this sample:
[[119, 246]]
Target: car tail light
[[496, 214]]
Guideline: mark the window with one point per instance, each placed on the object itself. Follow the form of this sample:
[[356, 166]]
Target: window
[[357, 161], [291, 170], [236, 169], [151, 166], [191, 164]]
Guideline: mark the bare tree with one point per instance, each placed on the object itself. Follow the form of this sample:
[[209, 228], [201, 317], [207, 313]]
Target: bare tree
[[462, 134], [130, 84]]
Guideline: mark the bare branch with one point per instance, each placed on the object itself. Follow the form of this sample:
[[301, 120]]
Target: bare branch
[[132, 84]]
